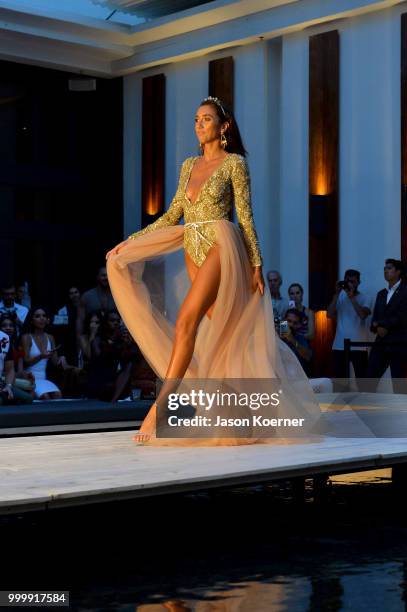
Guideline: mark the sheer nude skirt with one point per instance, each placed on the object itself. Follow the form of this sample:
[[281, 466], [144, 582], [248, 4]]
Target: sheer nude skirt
[[149, 282]]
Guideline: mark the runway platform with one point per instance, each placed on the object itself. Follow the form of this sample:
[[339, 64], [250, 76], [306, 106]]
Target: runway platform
[[71, 415], [48, 471]]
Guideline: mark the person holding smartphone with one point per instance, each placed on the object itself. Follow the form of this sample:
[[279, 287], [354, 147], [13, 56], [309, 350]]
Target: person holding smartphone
[[289, 333]]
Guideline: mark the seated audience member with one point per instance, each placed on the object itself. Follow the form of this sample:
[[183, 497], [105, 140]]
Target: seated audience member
[[70, 310], [39, 349], [135, 373], [23, 380], [8, 305], [280, 304], [389, 323], [296, 341], [9, 393], [106, 351], [67, 316], [98, 299], [92, 324], [23, 295], [296, 295]]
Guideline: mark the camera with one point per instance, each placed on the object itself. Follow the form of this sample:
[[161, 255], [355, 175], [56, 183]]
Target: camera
[[345, 285]]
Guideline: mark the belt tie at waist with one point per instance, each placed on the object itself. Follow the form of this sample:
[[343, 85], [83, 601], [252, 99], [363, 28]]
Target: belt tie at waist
[[198, 234]]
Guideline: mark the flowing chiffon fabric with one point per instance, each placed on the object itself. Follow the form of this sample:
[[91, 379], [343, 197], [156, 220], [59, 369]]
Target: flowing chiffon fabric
[[148, 281]]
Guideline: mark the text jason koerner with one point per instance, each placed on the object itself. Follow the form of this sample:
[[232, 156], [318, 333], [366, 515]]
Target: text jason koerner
[[254, 420]]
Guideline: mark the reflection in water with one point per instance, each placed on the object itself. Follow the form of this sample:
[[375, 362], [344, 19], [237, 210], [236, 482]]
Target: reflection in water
[[250, 549], [254, 596]]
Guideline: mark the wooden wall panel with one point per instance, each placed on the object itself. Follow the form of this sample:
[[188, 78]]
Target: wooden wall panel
[[323, 190], [221, 85], [153, 148], [323, 167], [221, 79], [403, 212]]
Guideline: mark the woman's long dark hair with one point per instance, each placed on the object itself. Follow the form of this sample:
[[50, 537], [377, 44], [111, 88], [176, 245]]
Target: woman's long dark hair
[[28, 323], [232, 133]]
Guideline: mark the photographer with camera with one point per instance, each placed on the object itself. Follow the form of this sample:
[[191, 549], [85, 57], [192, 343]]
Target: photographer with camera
[[289, 333], [350, 307]]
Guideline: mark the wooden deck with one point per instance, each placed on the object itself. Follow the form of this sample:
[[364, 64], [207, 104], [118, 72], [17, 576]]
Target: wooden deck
[[37, 473], [51, 471]]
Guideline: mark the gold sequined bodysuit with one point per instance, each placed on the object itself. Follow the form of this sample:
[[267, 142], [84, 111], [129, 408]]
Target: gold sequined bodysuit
[[229, 183]]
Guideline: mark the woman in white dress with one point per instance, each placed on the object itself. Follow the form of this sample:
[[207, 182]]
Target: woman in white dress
[[39, 348]]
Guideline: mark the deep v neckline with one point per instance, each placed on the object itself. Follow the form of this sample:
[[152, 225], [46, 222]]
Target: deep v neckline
[[204, 183], [37, 345]]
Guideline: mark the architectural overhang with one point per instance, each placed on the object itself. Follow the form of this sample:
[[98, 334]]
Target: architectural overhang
[[90, 46]]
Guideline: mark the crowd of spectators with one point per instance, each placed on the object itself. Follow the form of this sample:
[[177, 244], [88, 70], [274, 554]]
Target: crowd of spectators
[[83, 351], [379, 326]]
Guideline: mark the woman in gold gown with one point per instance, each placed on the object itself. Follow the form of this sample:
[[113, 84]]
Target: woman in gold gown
[[224, 327]]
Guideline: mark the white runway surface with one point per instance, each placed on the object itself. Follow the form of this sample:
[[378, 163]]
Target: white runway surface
[[41, 472]]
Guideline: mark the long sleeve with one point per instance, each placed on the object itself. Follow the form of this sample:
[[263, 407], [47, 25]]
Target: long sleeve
[[375, 314], [396, 320], [242, 199], [171, 216]]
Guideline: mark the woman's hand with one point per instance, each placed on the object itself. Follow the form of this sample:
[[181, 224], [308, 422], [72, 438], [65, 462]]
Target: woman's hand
[[27, 376], [288, 335], [381, 331], [258, 280], [62, 362], [117, 248]]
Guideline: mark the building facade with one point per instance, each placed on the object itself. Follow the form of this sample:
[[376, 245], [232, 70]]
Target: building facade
[[269, 42]]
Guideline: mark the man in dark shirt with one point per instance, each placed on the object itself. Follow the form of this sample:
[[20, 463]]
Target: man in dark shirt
[[389, 323]]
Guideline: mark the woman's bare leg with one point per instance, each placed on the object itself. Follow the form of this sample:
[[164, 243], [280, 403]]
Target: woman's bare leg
[[200, 300]]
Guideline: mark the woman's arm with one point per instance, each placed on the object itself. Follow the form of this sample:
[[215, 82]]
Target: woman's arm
[[95, 348], [20, 367], [242, 198], [174, 212], [54, 358], [170, 217], [26, 343], [84, 345]]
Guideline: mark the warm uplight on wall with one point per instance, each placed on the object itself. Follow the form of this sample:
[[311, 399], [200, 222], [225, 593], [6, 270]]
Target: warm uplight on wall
[[321, 184], [152, 206], [321, 321], [319, 180], [324, 328], [153, 147], [322, 342]]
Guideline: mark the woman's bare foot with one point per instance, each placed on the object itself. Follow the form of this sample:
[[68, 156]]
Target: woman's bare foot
[[142, 438], [148, 426]]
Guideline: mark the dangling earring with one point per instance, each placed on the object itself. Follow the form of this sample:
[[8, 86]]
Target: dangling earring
[[201, 148], [223, 141]]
